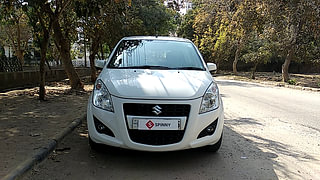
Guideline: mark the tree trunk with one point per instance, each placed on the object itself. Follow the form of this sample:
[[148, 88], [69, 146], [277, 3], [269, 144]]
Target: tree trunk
[[85, 52], [93, 51], [291, 50], [43, 51], [19, 52], [235, 62], [42, 90], [254, 69], [64, 49], [47, 62], [218, 67], [102, 57], [236, 57], [285, 66]]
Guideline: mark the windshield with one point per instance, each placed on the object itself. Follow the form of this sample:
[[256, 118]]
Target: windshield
[[156, 54]]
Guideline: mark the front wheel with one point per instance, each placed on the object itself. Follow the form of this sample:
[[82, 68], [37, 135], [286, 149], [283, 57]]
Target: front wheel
[[95, 146], [214, 147]]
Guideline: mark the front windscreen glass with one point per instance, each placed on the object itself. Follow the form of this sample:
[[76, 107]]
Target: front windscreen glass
[[156, 54]]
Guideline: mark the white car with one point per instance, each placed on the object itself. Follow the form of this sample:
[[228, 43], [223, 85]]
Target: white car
[[155, 94]]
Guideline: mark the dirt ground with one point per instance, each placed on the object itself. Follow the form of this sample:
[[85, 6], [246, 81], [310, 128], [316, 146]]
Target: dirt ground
[[303, 80], [27, 123]]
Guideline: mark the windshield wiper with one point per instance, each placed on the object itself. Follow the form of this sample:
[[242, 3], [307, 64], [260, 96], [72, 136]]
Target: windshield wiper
[[147, 67], [190, 68]]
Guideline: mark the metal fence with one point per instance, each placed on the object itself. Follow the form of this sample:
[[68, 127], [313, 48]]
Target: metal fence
[[14, 65], [10, 64], [80, 63]]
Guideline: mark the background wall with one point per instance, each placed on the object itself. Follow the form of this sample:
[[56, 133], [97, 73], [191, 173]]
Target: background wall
[[13, 80]]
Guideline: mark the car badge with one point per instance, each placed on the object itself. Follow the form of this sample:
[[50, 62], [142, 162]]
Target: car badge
[[150, 124], [156, 110]]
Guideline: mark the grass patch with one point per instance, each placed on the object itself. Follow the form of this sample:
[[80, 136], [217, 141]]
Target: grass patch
[[292, 81]]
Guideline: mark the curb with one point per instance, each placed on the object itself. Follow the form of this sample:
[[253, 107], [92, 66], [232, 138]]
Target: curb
[[43, 152], [303, 88]]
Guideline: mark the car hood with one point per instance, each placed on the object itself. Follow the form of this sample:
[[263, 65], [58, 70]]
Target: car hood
[[156, 84]]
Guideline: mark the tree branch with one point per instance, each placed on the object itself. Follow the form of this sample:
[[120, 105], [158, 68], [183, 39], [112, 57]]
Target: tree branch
[[64, 6]]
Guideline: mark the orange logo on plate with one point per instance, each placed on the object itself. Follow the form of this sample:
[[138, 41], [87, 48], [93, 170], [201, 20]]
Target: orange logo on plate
[[150, 124]]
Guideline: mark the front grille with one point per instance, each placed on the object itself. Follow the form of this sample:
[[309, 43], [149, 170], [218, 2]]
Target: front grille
[[169, 110], [156, 137]]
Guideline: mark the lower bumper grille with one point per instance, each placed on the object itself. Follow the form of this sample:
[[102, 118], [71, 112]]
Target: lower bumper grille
[[156, 137]]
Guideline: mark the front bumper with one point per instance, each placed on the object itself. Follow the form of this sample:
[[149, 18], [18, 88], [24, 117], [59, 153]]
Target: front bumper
[[118, 124]]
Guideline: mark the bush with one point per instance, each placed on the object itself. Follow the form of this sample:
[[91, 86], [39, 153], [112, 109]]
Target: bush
[[292, 82]]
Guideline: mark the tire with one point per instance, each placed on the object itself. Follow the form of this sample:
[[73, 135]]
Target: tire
[[214, 147], [95, 146]]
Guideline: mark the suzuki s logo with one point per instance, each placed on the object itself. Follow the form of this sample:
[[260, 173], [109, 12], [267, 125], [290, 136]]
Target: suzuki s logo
[[157, 110]]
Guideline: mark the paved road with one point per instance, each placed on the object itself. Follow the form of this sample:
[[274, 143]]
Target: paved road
[[258, 101], [270, 133]]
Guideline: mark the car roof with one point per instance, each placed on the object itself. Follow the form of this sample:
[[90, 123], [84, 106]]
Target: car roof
[[164, 38]]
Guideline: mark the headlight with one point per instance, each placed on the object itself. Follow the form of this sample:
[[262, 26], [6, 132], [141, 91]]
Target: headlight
[[210, 100], [101, 96]]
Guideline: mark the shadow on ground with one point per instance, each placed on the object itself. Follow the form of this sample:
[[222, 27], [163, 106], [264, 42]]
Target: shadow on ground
[[27, 124]]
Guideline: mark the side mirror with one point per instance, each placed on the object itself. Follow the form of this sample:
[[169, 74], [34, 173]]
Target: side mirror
[[99, 63], [212, 66]]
